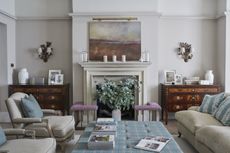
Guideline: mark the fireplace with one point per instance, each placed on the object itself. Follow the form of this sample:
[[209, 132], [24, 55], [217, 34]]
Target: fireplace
[[95, 72], [105, 111]]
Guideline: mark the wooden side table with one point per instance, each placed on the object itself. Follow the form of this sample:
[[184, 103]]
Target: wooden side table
[[48, 96], [180, 97]]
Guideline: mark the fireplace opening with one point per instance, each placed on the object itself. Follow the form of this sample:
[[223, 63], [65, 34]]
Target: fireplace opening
[[123, 87], [105, 111]]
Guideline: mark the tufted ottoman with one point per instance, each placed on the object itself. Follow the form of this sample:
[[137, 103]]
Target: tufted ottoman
[[151, 107], [78, 109]]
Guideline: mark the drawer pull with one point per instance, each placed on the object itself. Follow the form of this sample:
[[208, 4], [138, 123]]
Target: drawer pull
[[52, 106], [177, 107], [52, 97]]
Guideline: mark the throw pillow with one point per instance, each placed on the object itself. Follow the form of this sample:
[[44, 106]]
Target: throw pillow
[[31, 107], [223, 112], [2, 137], [210, 103]]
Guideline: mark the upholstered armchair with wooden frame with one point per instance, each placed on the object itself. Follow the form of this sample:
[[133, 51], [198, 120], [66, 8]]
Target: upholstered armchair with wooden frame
[[28, 144], [50, 125]]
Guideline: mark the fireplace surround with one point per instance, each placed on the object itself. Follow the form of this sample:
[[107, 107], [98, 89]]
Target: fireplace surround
[[95, 71]]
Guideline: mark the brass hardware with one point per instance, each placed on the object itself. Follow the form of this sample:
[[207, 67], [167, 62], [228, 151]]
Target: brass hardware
[[177, 107], [52, 97], [52, 106]]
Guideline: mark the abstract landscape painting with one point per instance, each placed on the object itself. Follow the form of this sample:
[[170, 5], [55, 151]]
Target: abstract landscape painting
[[114, 38]]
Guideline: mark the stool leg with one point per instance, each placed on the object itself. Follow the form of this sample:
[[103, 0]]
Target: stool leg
[[143, 119], [82, 117], [149, 115], [157, 115], [152, 115], [94, 116], [88, 116]]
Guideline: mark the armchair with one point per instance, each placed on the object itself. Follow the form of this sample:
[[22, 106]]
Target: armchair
[[59, 127], [27, 145]]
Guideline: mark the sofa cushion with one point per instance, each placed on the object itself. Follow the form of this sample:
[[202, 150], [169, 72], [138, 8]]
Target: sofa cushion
[[61, 125], [2, 137], [31, 107], [223, 112], [47, 145], [194, 120], [216, 138], [211, 102]]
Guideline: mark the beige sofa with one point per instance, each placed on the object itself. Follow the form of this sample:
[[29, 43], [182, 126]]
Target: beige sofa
[[203, 131]]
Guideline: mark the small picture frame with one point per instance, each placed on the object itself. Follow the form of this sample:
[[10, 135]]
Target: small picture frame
[[169, 76], [178, 79], [59, 79], [52, 74]]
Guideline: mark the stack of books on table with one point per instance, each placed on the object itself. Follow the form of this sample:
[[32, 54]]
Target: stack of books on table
[[106, 121], [103, 135], [153, 143]]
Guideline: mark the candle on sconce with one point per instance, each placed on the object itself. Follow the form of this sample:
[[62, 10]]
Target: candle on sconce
[[114, 58], [123, 57], [105, 58], [182, 49]]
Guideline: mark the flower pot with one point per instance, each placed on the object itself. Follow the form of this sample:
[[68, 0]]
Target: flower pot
[[116, 114]]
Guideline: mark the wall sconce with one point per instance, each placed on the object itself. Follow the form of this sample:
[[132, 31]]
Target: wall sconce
[[45, 51], [185, 50]]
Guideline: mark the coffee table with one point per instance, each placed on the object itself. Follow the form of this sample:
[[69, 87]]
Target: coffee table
[[128, 135]]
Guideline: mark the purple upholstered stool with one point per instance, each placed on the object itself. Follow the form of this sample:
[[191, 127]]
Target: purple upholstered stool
[[151, 107], [79, 108]]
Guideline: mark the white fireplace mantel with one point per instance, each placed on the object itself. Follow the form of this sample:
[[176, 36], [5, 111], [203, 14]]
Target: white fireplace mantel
[[115, 64], [92, 70]]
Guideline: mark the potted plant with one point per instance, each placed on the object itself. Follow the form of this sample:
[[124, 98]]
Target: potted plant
[[117, 94]]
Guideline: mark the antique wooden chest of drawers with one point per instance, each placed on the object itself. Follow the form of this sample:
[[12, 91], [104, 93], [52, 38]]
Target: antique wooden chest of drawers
[[180, 97], [48, 96]]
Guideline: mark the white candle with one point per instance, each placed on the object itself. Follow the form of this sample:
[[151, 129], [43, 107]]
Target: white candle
[[114, 58], [85, 57], [182, 49], [147, 56], [105, 58], [123, 57]]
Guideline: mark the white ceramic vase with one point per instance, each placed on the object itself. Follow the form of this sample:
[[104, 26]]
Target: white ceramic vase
[[23, 76], [209, 76], [116, 114]]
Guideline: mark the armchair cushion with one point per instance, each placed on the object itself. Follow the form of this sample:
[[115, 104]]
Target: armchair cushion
[[31, 107], [211, 102], [2, 137]]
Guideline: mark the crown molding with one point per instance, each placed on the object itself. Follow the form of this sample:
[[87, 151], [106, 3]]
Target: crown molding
[[40, 18], [190, 17], [150, 13], [7, 15]]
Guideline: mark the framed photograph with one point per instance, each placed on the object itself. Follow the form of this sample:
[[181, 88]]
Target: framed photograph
[[169, 76], [178, 79], [52, 74], [59, 79]]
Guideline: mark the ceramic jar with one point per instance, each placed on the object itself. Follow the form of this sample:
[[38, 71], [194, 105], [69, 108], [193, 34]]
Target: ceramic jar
[[209, 76], [23, 76], [116, 114]]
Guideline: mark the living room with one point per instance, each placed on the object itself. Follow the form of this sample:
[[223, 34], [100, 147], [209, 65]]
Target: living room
[[201, 25]]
